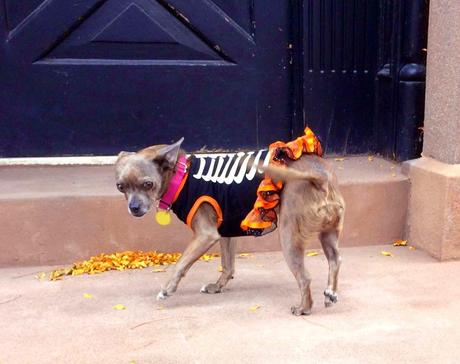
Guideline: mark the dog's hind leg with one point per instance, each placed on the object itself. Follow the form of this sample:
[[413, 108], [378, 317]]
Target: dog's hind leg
[[206, 235], [293, 251], [330, 243], [227, 247]]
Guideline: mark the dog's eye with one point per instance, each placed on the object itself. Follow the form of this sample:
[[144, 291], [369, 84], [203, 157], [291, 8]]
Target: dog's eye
[[147, 185], [120, 187]]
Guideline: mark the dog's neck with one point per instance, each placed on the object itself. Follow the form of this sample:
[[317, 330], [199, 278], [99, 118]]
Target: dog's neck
[[172, 181]]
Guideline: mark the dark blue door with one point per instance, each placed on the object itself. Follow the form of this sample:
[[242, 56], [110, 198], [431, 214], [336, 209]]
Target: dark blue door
[[341, 42], [97, 76], [363, 65]]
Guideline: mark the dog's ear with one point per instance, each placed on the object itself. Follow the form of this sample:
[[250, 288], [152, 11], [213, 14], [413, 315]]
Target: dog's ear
[[166, 157], [123, 154]]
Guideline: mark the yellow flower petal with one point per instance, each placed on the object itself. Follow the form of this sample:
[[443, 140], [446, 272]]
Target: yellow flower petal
[[158, 270], [412, 247], [119, 306], [386, 254], [77, 272], [116, 261], [254, 308], [220, 269], [40, 275], [339, 159], [312, 254], [87, 295], [400, 243], [207, 257], [370, 158], [244, 255]]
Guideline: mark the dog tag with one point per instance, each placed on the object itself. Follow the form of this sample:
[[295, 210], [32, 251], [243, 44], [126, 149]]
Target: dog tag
[[163, 217]]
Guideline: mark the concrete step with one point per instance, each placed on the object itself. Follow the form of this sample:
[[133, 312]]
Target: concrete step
[[57, 214]]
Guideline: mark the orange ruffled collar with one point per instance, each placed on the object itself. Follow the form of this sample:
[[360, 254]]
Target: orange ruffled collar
[[262, 219]]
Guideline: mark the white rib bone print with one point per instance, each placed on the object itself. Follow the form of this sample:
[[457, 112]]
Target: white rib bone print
[[228, 168]]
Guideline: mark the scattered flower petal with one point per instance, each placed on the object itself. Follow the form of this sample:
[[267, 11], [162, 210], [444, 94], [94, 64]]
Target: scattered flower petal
[[40, 275], [386, 254], [254, 308], [412, 248], [339, 159], [59, 273], [119, 306], [208, 257], [370, 158], [117, 261], [400, 242], [87, 295], [312, 254], [158, 270], [244, 255], [220, 269]]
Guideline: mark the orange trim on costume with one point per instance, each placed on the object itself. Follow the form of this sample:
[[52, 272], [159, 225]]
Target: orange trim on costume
[[198, 203]]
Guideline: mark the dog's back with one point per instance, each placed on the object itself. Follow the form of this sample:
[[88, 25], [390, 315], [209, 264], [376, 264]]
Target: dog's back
[[228, 182]]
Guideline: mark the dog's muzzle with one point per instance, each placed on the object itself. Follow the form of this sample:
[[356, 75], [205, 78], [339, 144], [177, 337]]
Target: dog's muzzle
[[135, 208]]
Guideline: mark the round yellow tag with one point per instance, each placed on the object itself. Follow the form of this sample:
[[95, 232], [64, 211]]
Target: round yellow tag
[[163, 217]]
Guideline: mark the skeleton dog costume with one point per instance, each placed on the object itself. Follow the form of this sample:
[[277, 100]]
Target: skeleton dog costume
[[230, 184], [224, 182]]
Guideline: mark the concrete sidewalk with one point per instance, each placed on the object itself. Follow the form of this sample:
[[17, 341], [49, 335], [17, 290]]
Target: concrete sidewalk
[[397, 309]]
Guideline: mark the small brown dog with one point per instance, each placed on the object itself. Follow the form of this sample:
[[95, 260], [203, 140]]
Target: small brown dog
[[310, 204]]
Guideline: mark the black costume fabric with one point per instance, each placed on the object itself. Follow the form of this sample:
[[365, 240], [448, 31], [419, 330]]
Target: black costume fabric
[[227, 179]]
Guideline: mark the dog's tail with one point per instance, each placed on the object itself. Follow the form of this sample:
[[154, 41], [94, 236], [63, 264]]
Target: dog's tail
[[285, 174]]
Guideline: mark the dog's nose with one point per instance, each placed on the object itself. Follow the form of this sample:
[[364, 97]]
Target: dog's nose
[[134, 206]]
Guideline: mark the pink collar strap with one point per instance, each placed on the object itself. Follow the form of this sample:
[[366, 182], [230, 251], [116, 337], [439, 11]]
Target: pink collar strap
[[180, 171]]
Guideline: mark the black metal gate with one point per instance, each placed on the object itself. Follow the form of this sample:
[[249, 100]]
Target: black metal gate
[[98, 76]]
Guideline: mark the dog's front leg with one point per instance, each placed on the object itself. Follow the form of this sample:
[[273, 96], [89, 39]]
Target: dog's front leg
[[227, 248], [204, 225]]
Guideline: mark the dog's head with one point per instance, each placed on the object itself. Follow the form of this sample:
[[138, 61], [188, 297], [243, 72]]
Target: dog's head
[[143, 177]]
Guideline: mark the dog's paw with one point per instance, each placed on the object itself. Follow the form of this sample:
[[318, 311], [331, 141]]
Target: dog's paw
[[211, 288], [299, 311], [162, 295], [330, 297]]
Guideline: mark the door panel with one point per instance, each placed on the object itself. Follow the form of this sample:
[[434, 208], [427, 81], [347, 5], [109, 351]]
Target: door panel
[[341, 58], [104, 75]]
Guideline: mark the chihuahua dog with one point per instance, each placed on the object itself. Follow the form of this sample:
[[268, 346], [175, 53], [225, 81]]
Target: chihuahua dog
[[310, 204]]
